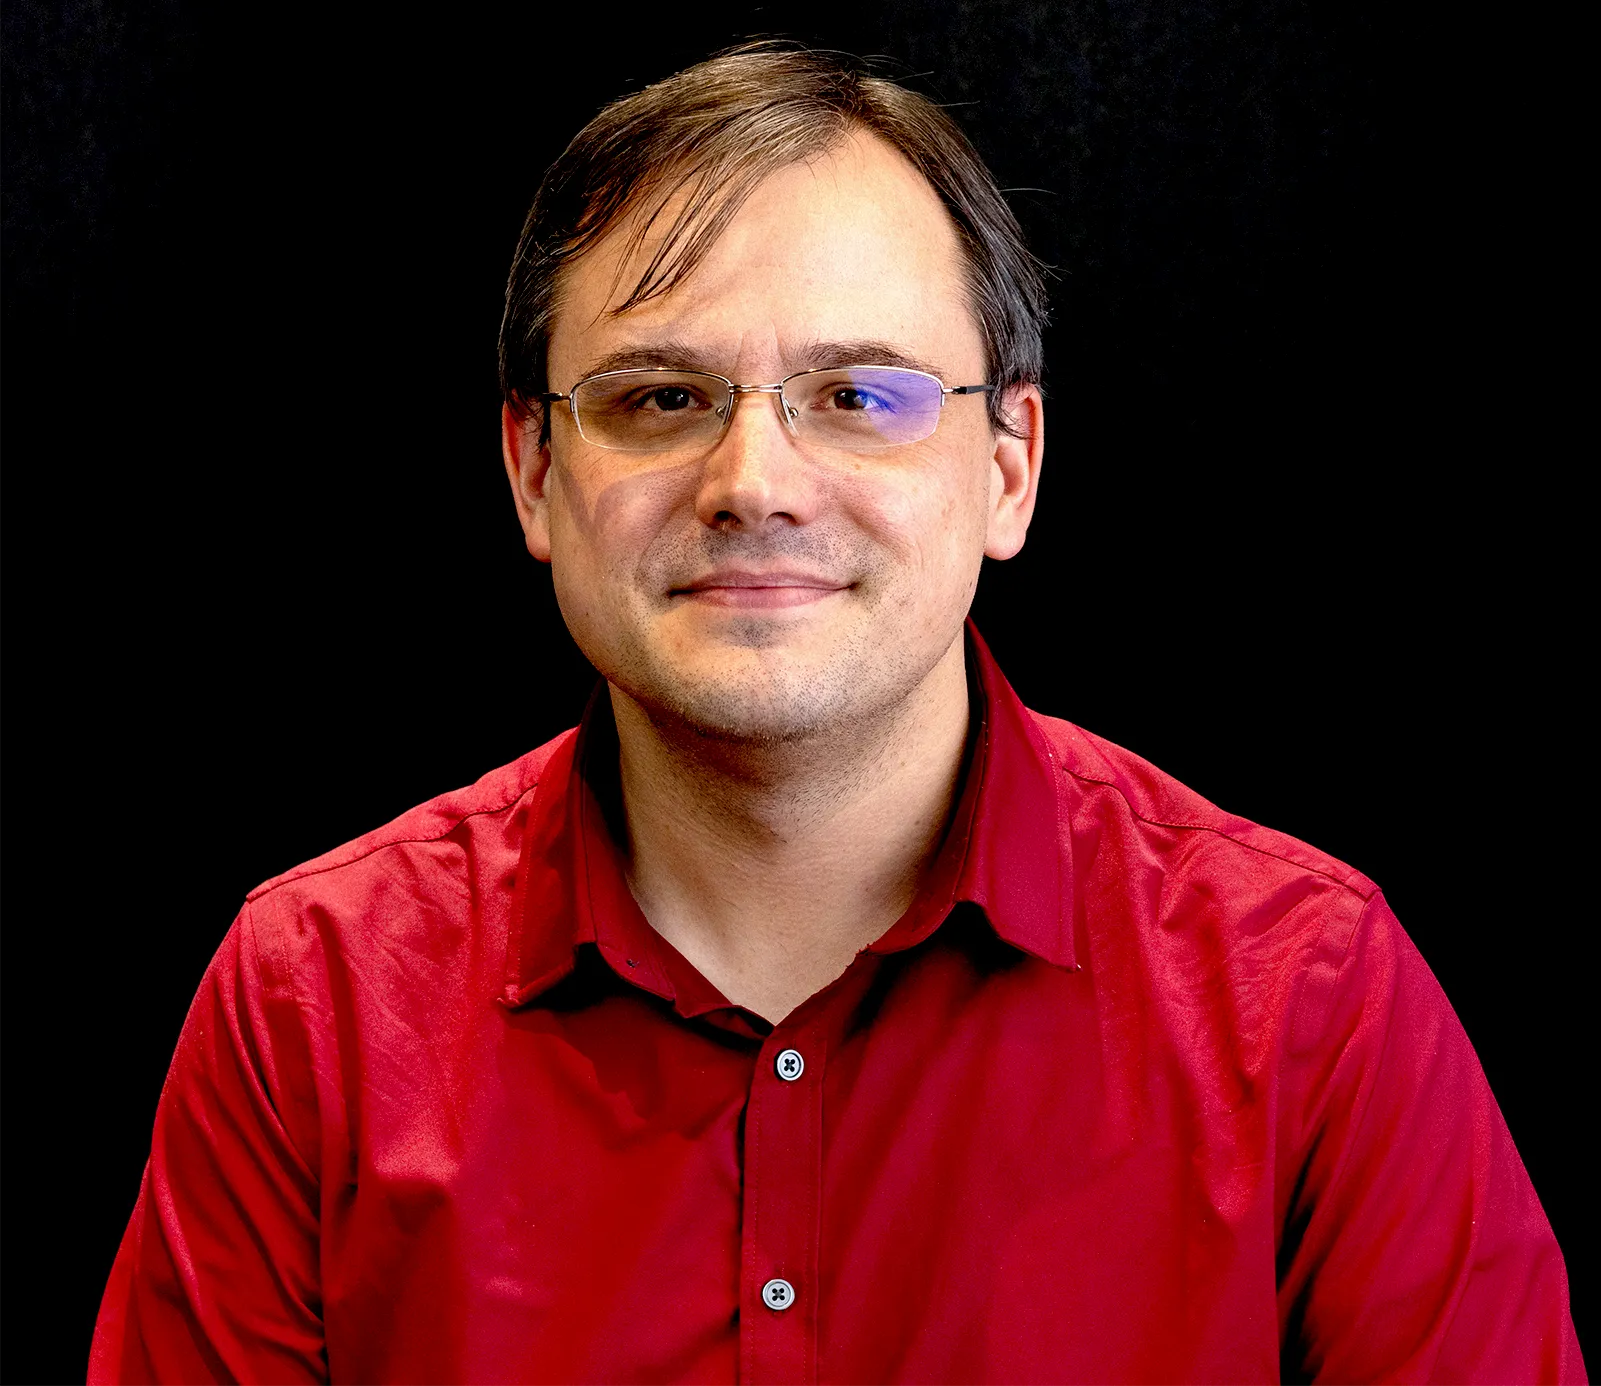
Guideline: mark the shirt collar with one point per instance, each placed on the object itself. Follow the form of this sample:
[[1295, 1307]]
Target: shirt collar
[[1007, 851]]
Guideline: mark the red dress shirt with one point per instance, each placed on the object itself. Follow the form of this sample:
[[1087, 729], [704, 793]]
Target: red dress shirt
[[1135, 1091]]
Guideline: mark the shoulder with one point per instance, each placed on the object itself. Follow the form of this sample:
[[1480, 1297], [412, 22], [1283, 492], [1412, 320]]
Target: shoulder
[[440, 855], [1214, 896], [1117, 780], [1228, 938]]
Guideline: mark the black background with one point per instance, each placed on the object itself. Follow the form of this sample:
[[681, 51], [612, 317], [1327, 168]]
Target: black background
[[265, 589]]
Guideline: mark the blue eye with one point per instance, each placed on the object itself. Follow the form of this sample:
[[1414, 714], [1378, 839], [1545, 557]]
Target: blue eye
[[853, 398], [865, 407]]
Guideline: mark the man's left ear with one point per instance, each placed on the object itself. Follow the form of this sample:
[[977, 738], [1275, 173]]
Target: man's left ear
[[1015, 471]]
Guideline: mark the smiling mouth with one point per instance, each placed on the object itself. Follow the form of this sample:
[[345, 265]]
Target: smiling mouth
[[763, 590]]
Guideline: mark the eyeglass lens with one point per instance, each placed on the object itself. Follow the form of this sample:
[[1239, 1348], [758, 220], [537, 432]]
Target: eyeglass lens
[[856, 408]]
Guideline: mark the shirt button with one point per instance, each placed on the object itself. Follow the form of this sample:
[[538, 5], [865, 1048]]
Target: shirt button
[[778, 1294], [790, 1066]]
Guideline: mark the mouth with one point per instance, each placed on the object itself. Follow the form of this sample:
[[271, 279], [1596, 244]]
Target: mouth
[[759, 588]]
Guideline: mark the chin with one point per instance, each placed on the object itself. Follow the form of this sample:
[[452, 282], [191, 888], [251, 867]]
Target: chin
[[759, 705], [765, 685]]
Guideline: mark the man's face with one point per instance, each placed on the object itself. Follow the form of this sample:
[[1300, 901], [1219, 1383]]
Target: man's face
[[762, 587]]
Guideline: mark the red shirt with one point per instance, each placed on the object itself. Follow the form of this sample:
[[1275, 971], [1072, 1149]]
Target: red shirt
[[1135, 1091]]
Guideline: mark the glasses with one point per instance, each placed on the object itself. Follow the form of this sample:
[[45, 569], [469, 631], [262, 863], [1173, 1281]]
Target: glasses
[[851, 408]]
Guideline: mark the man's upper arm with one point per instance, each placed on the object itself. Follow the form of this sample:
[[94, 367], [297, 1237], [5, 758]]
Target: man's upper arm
[[217, 1277], [1415, 1248]]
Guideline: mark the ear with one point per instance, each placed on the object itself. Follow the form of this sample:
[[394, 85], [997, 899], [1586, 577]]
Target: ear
[[528, 470], [1015, 471]]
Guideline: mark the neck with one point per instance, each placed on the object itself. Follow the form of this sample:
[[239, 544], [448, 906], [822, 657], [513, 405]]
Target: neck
[[770, 866]]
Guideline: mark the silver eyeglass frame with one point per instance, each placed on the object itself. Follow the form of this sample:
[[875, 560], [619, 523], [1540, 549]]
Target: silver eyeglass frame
[[786, 410]]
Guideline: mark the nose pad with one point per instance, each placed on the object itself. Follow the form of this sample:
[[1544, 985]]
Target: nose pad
[[787, 412]]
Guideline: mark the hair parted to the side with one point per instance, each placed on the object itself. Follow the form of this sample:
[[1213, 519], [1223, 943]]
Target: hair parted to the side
[[711, 134]]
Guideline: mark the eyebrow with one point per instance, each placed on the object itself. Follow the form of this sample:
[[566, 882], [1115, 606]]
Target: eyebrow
[[669, 354], [672, 354], [862, 352]]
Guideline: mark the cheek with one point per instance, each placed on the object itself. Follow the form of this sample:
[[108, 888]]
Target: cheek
[[934, 523], [603, 526], [578, 558]]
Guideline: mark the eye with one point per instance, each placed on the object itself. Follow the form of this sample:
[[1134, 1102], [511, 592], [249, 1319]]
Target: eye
[[669, 399], [654, 398], [853, 399]]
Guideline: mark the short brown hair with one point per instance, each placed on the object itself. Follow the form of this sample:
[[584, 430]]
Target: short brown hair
[[713, 132]]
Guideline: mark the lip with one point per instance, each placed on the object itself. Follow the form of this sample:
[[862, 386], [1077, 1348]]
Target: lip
[[765, 587]]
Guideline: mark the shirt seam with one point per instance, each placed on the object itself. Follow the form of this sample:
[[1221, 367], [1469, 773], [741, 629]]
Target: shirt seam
[[1301, 1145], [1227, 836], [1347, 947], [1348, 961], [258, 946], [1352, 1140], [306, 873]]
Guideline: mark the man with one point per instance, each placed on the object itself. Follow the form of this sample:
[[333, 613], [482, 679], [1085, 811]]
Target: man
[[814, 1011]]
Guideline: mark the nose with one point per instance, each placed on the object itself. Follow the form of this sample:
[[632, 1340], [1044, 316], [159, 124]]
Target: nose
[[756, 474]]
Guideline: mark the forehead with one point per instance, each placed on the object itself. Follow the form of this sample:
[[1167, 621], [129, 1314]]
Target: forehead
[[851, 246]]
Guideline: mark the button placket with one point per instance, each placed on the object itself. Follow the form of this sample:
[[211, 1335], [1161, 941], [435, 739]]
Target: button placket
[[782, 1196]]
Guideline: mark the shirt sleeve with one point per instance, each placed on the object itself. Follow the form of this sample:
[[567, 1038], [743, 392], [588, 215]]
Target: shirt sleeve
[[217, 1275], [1414, 1246]]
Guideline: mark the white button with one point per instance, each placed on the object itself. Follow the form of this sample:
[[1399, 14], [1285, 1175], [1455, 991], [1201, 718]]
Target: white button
[[790, 1066], [778, 1294]]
